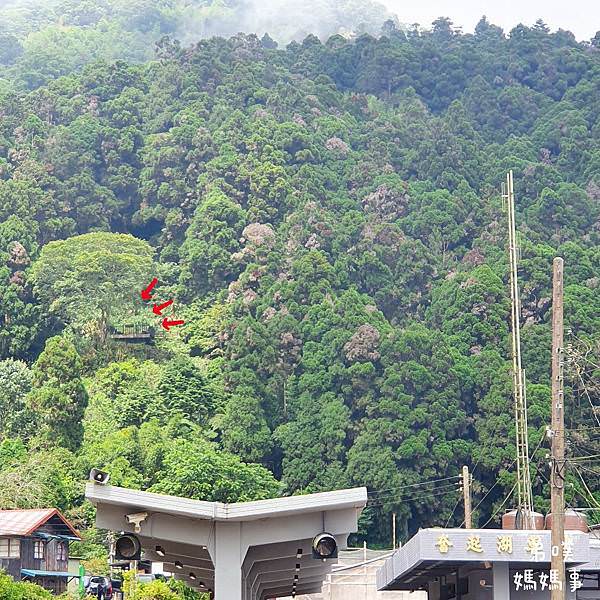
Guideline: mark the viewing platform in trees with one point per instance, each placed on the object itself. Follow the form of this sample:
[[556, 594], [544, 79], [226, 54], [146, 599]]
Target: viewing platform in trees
[[133, 333]]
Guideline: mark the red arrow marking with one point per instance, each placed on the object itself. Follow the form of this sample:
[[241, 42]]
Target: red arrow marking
[[158, 308], [146, 293], [166, 323]]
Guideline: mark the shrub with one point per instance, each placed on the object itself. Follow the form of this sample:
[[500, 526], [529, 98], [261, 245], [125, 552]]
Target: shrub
[[21, 590]]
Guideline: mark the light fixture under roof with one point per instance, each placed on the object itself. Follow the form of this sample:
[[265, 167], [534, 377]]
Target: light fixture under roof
[[193, 576], [178, 565], [160, 551]]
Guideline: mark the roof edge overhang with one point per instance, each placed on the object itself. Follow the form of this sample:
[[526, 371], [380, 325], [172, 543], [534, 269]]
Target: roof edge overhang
[[44, 518], [218, 511]]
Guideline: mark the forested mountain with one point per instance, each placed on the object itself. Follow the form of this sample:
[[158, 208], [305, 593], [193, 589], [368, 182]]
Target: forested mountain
[[326, 217], [44, 39]]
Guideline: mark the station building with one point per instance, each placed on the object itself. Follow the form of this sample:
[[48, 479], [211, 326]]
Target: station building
[[492, 564]]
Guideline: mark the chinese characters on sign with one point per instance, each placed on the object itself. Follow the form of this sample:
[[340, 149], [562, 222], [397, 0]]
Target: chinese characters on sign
[[529, 579], [474, 544], [535, 547], [504, 545], [444, 544]]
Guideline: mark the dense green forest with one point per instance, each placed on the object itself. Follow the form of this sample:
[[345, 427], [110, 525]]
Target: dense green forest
[[43, 39], [326, 217]]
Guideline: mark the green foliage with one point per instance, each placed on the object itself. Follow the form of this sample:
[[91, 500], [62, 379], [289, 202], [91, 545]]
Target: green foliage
[[40, 479], [157, 590], [15, 383], [185, 390], [18, 590], [326, 218], [197, 469], [58, 397], [92, 279], [210, 240], [244, 427], [91, 550]]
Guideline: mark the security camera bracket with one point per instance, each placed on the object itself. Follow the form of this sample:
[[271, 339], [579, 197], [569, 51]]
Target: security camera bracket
[[136, 519]]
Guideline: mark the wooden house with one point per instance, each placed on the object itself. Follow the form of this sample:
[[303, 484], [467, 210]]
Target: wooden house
[[34, 546]]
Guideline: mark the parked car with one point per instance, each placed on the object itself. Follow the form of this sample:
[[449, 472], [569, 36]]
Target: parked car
[[99, 586]]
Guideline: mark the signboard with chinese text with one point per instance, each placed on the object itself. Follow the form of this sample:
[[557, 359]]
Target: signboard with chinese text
[[523, 549], [526, 546]]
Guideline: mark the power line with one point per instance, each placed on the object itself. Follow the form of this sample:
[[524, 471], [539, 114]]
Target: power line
[[501, 506], [452, 513], [490, 489], [381, 501], [391, 495], [410, 485], [418, 491], [594, 533], [580, 354], [388, 499], [591, 428], [498, 481], [587, 489], [589, 470], [589, 457], [587, 395]]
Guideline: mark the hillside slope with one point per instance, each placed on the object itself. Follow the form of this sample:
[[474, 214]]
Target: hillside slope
[[326, 218]]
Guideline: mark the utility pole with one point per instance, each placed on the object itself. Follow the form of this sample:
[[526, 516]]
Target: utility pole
[[393, 531], [557, 480], [466, 487]]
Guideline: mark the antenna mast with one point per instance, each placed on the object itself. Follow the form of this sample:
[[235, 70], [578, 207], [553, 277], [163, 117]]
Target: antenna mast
[[524, 493]]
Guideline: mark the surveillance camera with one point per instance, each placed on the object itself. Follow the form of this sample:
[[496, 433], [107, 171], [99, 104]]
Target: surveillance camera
[[137, 519], [98, 476]]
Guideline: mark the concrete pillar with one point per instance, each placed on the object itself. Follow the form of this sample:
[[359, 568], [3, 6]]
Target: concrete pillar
[[228, 561], [501, 581], [433, 590]]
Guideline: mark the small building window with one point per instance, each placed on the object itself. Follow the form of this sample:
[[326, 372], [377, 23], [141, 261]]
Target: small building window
[[38, 550], [10, 548], [61, 551], [14, 550]]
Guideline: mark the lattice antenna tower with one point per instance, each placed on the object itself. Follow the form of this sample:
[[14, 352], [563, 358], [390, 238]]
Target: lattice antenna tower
[[524, 493]]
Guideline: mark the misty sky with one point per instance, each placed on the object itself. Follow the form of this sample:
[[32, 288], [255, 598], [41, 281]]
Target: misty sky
[[582, 17]]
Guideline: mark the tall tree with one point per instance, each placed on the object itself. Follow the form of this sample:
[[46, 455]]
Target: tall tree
[[93, 279], [58, 397]]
